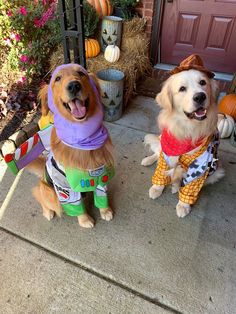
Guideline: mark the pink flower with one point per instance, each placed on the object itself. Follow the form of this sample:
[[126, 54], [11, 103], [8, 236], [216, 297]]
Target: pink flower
[[44, 2], [23, 11], [24, 58], [49, 14], [37, 22], [9, 13], [17, 37], [7, 41], [22, 80]]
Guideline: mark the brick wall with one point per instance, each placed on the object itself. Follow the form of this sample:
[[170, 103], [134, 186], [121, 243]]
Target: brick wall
[[145, 9]]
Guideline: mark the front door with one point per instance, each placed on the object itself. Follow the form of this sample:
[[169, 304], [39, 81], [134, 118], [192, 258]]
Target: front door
[[204, 27]]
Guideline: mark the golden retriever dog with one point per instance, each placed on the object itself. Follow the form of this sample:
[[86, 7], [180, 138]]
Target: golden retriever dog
[[80, 157], [187, 148]]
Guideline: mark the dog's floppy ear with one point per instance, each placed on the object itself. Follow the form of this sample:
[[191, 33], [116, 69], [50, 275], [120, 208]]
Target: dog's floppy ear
[[164, 98], [214, 88], [43, 97]]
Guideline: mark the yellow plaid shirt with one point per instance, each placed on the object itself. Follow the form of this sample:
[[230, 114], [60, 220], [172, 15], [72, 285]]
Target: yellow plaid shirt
[[188, 193]]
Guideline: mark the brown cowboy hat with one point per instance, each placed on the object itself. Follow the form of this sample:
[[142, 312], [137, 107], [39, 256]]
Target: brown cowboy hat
[[192, 62]]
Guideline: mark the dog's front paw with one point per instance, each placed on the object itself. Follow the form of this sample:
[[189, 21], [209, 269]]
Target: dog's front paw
[[148, 161], [48, 214], [106, 213], [86, 221], [155, 191], [182, 209], [174, 188], [145, 162]]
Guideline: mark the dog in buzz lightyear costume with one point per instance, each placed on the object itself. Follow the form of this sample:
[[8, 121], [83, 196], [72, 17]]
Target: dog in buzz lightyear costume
[[77, 144]]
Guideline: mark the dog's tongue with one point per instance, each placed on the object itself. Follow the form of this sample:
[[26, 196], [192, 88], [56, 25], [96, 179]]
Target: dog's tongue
[[200, 113], [78, 109]]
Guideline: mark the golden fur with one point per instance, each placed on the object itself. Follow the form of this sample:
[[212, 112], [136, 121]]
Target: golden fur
[[68, 156], [174, 104]]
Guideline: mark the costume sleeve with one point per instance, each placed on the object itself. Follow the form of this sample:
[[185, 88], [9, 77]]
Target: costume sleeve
[[160, 177], [189, 193]]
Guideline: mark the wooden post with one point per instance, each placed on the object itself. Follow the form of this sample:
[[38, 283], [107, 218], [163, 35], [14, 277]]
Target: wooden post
[[72, 28]]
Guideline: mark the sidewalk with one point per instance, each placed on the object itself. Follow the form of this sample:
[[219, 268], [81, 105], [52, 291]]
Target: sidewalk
[[146, 260]]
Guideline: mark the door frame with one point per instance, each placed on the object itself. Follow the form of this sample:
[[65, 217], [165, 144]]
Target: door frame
[[155, 42]]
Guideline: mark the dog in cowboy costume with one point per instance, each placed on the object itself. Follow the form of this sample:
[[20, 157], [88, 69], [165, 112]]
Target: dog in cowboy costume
[[187, 147], [79, 150]]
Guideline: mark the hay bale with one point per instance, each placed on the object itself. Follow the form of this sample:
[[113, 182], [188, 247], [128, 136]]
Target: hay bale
[[134, 27], [134, 60]]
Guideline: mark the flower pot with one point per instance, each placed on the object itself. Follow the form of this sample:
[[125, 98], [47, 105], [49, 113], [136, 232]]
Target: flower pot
[[124, 12], [111, 31], [112, 86]]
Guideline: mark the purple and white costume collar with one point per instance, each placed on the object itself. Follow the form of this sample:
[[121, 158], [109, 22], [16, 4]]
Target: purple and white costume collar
[[90, 134]]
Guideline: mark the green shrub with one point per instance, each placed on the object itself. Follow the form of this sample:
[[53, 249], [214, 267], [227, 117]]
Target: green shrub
[[29, 30], [90, 19]]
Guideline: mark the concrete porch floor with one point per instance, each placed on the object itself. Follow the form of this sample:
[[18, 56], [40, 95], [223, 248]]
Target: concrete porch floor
[[146, 260]]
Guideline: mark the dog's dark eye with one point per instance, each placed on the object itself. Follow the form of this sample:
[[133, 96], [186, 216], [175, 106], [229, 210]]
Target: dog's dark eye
[[202, 82], [57, 79], [182, 89]]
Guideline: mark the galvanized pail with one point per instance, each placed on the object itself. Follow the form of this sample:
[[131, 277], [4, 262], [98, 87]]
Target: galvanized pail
[[233, 136], [111, 31], [112, 86]]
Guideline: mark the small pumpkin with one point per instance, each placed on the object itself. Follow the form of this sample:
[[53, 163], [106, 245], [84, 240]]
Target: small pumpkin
[[225, 125], [227, 105], [112, 53], [92, 47], [103, 7]]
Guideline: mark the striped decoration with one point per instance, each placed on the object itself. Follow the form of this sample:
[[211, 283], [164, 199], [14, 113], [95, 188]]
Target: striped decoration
[[26, 147]]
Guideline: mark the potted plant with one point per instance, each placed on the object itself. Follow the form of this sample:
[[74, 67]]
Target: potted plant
[[124, 8], [92, 47]]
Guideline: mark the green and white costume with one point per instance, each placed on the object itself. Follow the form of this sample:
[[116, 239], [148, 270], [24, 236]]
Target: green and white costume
[[70, 183]]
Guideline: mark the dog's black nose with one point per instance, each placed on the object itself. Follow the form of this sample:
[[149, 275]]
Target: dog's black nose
[[199, 98], [74, 87]]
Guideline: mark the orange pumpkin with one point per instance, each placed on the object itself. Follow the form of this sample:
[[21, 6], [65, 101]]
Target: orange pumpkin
[[103, 7], [227, 105], [92, 47]]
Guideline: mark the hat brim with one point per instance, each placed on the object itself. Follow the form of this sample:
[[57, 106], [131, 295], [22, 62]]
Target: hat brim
[[192, 67]]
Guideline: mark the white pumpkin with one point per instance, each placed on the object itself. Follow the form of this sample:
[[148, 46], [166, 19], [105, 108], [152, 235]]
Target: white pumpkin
[[225, 125], [112, 53]]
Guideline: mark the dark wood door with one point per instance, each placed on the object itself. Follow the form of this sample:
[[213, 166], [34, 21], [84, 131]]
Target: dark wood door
[[204, 27]]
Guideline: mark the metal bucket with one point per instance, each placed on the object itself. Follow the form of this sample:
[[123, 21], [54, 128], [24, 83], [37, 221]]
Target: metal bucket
[[112, 86], [111, 31], [233, 136]]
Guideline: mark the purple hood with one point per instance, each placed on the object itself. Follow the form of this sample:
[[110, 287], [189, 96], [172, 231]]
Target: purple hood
[[87, 135]]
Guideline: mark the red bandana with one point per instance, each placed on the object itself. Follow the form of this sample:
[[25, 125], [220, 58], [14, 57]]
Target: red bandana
[[171, 146]]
